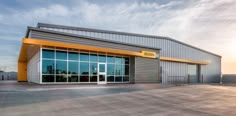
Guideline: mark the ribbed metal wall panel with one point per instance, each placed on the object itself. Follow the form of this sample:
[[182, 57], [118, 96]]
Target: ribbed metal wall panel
[[146, 70], [169, 48]]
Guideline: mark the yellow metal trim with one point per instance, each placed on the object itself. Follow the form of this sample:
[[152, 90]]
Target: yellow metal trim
[[162, 58]]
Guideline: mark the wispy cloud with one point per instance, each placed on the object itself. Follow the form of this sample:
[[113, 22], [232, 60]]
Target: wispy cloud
[[209, 24]]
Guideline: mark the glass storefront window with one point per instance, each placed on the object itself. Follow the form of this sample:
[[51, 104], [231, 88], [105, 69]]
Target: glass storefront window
[[102, 58], [48, 54], [62, 55], [84, 57], [126, 70], [93, 68], [110, 59], [118, 69], [84, 78], [118, 78], [84, 68], [118, 60], [73, 78], [93, 58], [61, 67], [110, 78], [110, 69], [61, 78], [126, 60], [73, 67], [48, 78], [93, 78], [73, 56], [48, 67]]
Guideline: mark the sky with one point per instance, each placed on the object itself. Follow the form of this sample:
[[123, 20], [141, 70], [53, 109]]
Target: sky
[[207, 24]]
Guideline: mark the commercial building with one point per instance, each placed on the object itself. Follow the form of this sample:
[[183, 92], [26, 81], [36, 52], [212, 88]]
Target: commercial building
[[64, 54]]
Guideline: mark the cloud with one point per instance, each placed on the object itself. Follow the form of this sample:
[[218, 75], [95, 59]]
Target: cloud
[[208, 24]]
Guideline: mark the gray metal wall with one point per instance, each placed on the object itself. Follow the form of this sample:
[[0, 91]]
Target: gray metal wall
[[169, 48], [146, 70]]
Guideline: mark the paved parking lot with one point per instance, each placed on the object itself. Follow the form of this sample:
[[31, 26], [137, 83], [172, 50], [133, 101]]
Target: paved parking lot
[[138, 100]]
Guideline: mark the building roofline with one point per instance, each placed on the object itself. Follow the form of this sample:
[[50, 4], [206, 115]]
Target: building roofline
[[121, 33], [86, 37]]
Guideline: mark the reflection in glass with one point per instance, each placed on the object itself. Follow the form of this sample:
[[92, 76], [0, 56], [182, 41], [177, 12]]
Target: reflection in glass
[[93, 68], [110, 69], [126, 79], [110, 78], [93, 78], [118, 69], [101, 67], [84, 57], [93, 58], [48, 67], [47, 78], [73, 56], [84, 78], [101, 77], [73, 68], [61, 78], [110, 59], [126, 69], [62, 55], [73, 78], [61, 67], [126, 60], [102, 58], [84, 68], [118, 79], [118, 60], [48, 54]]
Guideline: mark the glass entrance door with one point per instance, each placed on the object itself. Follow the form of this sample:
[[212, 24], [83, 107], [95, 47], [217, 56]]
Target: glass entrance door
[[102, 73]]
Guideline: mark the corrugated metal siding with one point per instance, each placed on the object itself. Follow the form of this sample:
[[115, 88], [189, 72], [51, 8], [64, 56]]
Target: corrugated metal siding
[[169, 48], [62, 38], [146, 70]]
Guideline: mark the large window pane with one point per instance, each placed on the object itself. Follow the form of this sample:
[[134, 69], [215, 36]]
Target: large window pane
[[84, 68], [110, 59], [93, 68], [48, 78], [62, 55], [84, 57], [73, 68], [93, 78], [102, 58], [123, 60], [72, 78], [126, 69], [126, 79], [110, 78], [93, 58], [84, 78], [101, 67], [127, 60], [73, 56], [118, 69], [48, 54], [61, 78], [118, 79], [48, 67], [118, 60], [110, 69], [61, 67]]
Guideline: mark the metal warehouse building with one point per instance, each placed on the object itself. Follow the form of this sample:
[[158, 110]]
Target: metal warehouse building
[[63, 54]]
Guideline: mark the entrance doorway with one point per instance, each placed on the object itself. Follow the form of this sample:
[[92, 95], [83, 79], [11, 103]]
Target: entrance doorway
[[102, 73]]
